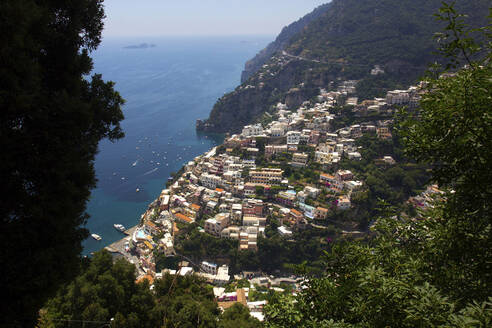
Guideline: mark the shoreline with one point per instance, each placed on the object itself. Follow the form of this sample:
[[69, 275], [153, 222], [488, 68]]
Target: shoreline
[[119, 244]]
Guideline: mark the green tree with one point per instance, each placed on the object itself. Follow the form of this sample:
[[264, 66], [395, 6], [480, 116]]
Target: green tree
[[52, 117], [104, 290], [237, 316], [433, 272], [454, 134]]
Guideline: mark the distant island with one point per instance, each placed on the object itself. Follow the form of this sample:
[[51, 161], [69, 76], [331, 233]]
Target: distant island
[[141, 46]]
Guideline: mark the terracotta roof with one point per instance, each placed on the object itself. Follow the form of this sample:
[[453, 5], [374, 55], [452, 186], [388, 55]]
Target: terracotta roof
[[195, 207], [150, 224], [182, 217], [295, 212], [149, 245]]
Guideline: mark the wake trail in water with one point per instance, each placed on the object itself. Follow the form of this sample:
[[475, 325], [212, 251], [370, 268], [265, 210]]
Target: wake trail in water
[[150, 172]]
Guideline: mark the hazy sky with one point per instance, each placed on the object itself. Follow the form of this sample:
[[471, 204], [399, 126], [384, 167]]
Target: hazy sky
[[202, 17]]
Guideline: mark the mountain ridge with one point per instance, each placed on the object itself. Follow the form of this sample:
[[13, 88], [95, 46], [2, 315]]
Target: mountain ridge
[[282, 40], [340, 44]]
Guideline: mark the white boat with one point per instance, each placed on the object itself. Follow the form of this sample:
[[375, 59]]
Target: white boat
[[137, 190], [96, 237], [119, 227]]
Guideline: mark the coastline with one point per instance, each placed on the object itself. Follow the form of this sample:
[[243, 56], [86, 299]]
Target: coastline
[[114, 247], [167, 88], [118, 247]]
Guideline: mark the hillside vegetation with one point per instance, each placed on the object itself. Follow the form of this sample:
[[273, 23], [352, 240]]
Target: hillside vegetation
[[282, 40], [344, 42], [433, 272]]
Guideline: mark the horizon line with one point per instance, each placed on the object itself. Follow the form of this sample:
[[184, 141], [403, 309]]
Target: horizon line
[[186, 35]]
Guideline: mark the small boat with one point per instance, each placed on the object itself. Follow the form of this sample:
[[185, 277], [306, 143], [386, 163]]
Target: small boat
[[96, 237], [137, 190], [119, 227]]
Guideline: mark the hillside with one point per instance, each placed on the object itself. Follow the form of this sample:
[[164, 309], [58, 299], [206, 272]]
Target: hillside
[[345, 41], [282, 40]]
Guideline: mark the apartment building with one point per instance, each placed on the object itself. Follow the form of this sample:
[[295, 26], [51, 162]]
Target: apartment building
[[210, 181], [266, 176], [299, 159]]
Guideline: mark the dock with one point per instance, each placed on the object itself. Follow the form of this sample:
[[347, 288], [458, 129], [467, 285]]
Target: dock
[[119, 246]]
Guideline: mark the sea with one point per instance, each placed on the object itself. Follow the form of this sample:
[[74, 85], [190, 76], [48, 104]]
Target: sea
[[168, 83]]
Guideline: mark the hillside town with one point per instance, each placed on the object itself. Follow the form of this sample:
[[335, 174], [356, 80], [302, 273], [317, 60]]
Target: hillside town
[[232, 190]]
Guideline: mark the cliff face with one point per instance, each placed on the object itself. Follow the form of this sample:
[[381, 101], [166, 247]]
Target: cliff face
[[259, 95], [282, 40], [339, 41]]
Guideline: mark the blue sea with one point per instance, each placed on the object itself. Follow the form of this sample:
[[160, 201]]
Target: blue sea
[[167, 88]]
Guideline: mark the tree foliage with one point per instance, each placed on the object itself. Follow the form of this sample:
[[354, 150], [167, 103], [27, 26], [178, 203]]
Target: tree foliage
[[238, 316], [106, 292], [433, 272], [52, 117]]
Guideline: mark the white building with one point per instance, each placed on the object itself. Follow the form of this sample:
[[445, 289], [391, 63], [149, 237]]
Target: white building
[[352, 101], [210, 268], [252, 130], [299, 159], [210, 181], [232, 175], [213, 227], [293, 137], [322, 157], [312, 192], [283, 231], [353, 185], [377, 70], [397, 97], [343, 203], [281, 106], [222, 276], [266, 176], [354, 155], [278, 129]]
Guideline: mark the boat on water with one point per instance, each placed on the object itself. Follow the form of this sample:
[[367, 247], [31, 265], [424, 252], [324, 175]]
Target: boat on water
[[96, 236], [137, 190], [119, 227]]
